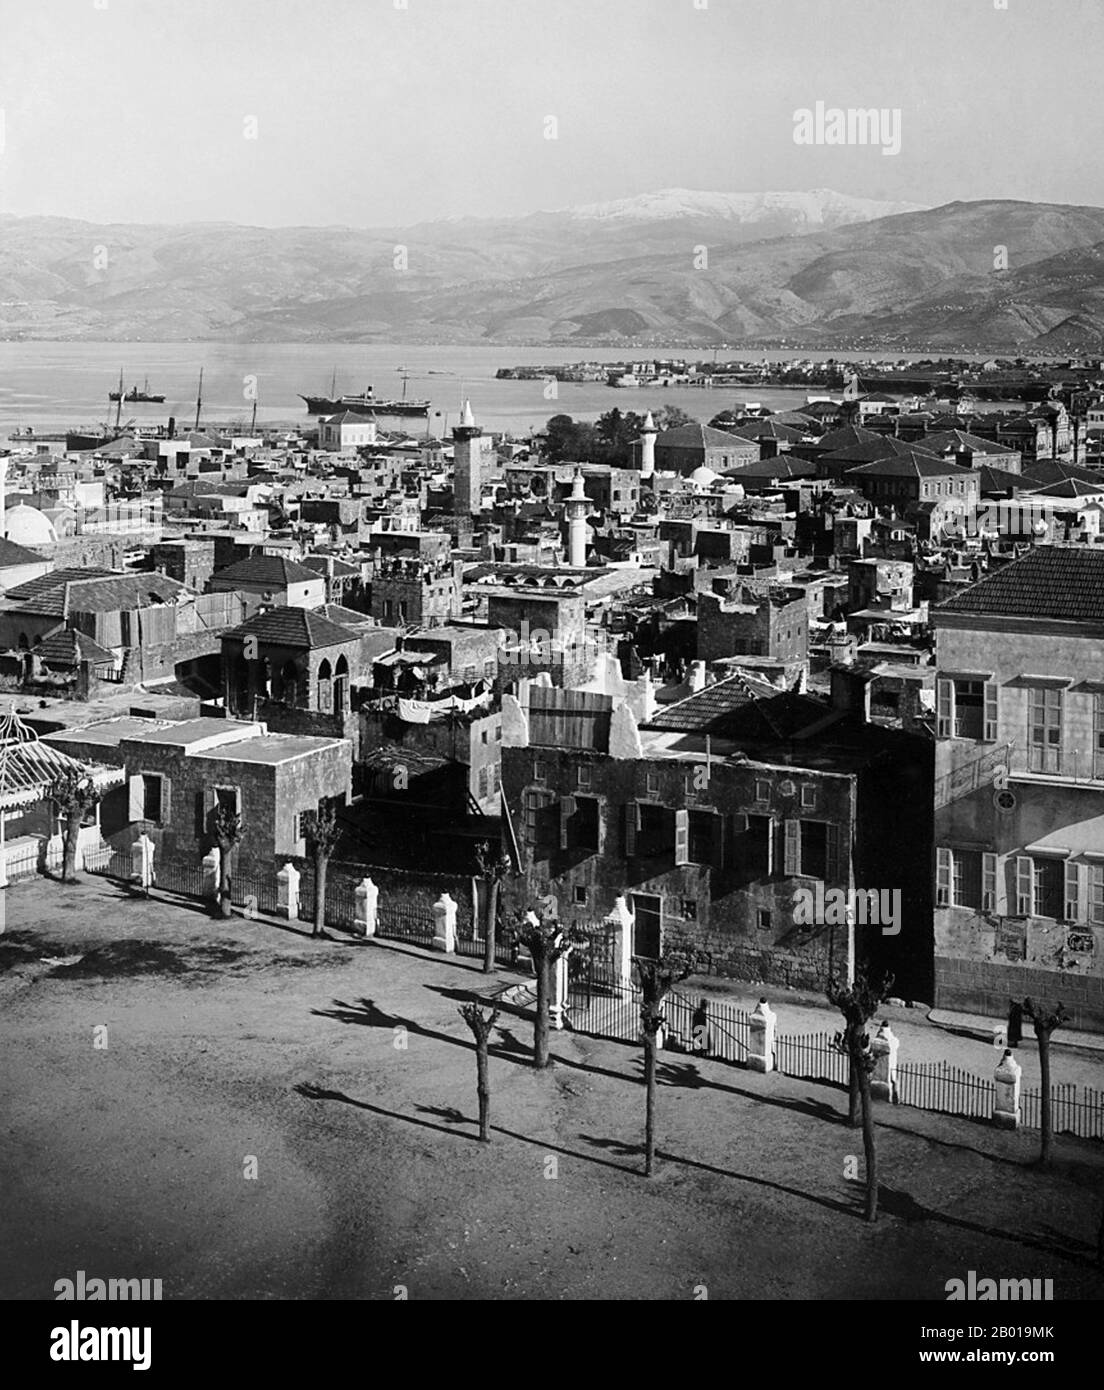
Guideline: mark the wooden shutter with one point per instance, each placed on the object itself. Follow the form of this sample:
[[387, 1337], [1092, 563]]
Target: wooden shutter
[[136, 789], [567, 810], [166, 800], [600, 814], [632, 825], [717, 827], [682, 837], [989, 883], [772, 828], [1025, 885], [944, 708], [832, 868], [791, 848], [943, 879], [989, 732], [1073, 891]]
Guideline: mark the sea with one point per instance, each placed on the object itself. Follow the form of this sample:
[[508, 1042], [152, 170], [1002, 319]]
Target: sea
[[55, 386]]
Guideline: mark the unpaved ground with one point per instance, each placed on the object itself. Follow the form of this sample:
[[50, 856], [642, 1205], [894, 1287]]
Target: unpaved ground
[[343, 1072]]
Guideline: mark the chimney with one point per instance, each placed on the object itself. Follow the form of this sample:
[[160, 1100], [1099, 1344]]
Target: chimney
[[697, 677]]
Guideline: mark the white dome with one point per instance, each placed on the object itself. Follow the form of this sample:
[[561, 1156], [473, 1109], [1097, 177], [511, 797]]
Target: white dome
[[27, 526], [703, 476]]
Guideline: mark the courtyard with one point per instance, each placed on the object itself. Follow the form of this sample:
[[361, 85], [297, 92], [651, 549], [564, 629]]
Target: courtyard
[[245, 1113]]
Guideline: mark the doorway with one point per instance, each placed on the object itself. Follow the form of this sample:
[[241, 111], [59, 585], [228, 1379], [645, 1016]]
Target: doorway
[[647, 928]]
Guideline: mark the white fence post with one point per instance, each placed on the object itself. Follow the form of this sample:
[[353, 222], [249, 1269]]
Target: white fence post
[[444, 932], [141, 862], [761, 1027], [210, 867], [287, 892], [367, 898], [1006, 1107], [883, 1084]]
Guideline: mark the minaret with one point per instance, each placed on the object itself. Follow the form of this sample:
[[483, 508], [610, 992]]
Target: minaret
[[576, 508], [467, 460], [647, 446]]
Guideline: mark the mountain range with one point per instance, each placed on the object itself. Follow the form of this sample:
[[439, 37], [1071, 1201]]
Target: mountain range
[[815, 269]]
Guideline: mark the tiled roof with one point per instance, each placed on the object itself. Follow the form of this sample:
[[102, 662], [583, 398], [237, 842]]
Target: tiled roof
[[846, 437], [911, 465], [12, 554], [959, 439], [67, 647], [882, 446], [274, 570], [45, 583], [1061, 582], [709, 711], [293, 627], [698, 437], [782, 466], [1047, 471]]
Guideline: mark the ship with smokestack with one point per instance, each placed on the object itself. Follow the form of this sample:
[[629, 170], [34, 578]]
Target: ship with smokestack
[[82, 441], [366, 403]]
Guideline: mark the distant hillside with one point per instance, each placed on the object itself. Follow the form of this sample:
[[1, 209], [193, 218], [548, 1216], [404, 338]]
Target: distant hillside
[[815, 268]]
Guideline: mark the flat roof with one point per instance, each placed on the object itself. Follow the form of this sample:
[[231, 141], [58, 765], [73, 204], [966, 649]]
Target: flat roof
[[269, 748]]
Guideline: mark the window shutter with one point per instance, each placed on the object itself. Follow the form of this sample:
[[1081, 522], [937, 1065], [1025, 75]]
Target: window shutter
[[944, 708], [632, 825], [717, 825], [772, 828], [989, 733], [166, 800], [1073, 891], [832, 870], [682, 837], [237, 801], [1025, 885], [943, 878], [136, 788], [567, 810], [989, 883], [791, 848]]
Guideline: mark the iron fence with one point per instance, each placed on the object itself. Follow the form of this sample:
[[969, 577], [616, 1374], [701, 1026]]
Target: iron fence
[[612, 1011], [404, 924], [1069, 1113], [711, 1027], [109, 862], [948, 1089], [811, 1057]]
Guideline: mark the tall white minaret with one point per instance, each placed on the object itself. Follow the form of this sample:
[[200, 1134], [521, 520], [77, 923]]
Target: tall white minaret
[[647, 446], [576, 508], [467, 464]]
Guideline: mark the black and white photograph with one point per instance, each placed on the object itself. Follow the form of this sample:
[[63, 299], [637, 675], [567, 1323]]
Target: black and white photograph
[[551, 671]]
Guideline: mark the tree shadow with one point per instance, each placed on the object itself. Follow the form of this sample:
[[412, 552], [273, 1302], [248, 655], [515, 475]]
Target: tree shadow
[[310, 1092], [426, 954], [949, 1144], [448, 1113]]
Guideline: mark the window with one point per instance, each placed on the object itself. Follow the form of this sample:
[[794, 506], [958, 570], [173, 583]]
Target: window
[[579, 896], [582, 775], [808, 796], [763, 919], [540, 770], [762, 789], [649, 830], [1041, 887], [966, 708], [484, 783], [966, 879], [153, 787], [540, 814], [580, 823], [689, 909], [651, 783], [753, 847], [1096, 895], [1044, 730], [811, 849]]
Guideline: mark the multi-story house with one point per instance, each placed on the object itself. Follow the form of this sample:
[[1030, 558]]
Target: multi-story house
[[1019, 804]]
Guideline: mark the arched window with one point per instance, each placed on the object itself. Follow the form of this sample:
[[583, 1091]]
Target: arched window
[[341, 686], [325, 688]]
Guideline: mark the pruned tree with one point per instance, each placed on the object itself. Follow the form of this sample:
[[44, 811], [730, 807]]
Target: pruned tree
[[74, 794], [548, 941], [1045, 1021], [495, 867], [226, 831], [858, 1003], [482, 1024], [321, 832], [657, 976]]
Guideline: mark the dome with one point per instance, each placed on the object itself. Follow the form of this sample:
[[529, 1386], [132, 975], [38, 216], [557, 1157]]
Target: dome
[[27, 526], [703, 476]]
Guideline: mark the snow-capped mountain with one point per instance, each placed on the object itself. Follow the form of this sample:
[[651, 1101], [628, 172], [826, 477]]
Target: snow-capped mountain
[[819, 207]]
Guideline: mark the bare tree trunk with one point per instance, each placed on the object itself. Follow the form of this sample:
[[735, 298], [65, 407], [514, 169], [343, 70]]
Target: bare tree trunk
[[650, 1100], [854, 1090], [489, 927], [69, 862], [483, 1090], [541, 1057], [225, 907], [858, 1064], [1044, 1073], [321, 865]]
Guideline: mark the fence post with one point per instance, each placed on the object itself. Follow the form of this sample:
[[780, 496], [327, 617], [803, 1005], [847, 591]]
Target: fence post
[[366, 896], [141, 862], [210, 867], [623, 919], [1006, 1108], [444, 932], [287, 892], [761, 1027], [883, 1084], [558, 1001]]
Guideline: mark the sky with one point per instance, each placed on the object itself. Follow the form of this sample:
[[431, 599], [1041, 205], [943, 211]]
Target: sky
[[390, 112]]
